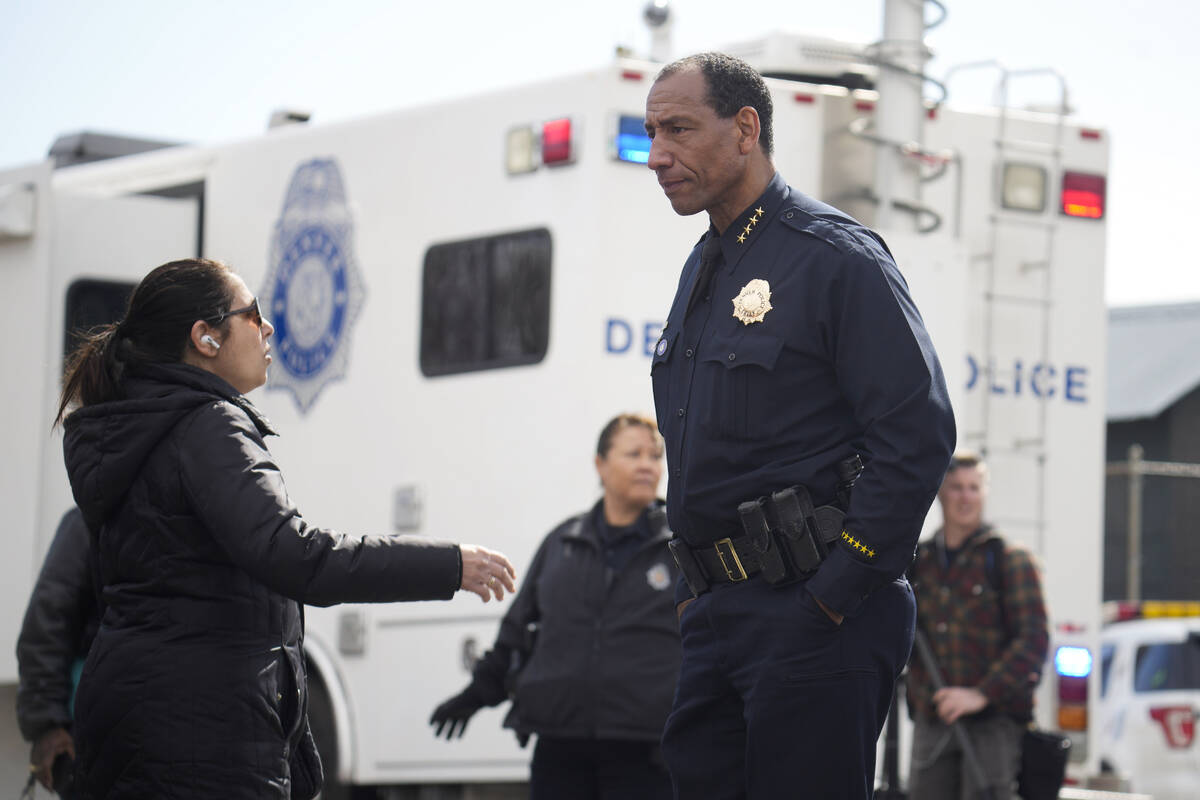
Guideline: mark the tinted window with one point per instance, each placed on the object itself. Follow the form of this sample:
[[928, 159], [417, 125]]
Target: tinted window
[[91, 303], [485, 303], [1106, 658], [1169, 665]]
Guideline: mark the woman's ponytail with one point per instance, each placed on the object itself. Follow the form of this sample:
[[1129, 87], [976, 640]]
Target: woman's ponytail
[[94, 370], [155, 329]]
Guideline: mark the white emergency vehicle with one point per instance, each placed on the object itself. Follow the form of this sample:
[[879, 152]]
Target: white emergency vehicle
[[1150, 697], [464, 293]]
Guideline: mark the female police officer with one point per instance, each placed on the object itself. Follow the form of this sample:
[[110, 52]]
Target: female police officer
[[590, 646]]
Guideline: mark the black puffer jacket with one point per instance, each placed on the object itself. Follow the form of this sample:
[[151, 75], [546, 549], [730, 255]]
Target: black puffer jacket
[[60, 623], [195, 684], [606, 655]]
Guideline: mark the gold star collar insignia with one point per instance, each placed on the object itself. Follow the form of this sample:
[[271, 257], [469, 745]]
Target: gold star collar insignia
[[754, 218], [753, 302]]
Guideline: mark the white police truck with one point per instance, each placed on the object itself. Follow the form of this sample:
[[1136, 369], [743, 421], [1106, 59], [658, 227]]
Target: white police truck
[[464, 293]]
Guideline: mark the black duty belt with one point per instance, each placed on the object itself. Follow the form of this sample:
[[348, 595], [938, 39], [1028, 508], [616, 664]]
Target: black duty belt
[[786, 537], [787, 548]]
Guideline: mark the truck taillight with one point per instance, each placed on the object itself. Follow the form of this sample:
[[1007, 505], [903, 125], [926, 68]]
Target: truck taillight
[[1083, 195], [1178, 724], [1073, 665]]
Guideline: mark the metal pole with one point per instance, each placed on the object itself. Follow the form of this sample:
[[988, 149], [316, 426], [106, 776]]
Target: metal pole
[[900, 114], [1133, 557]]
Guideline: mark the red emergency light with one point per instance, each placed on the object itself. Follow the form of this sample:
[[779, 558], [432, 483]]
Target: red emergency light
[[1083, 195], [556, 142]]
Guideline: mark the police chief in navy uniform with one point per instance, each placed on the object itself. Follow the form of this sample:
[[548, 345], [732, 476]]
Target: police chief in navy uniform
[[793, 356]]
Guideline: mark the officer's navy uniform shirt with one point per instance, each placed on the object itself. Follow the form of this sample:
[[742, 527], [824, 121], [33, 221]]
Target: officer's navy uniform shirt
[[841, 364]]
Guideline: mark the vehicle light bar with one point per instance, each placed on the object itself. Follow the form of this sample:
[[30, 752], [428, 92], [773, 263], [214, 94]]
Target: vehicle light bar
[[632, 143], [1122, 611], [1083, 195]]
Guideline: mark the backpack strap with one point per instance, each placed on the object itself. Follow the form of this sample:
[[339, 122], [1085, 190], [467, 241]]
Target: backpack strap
[[994, 567]]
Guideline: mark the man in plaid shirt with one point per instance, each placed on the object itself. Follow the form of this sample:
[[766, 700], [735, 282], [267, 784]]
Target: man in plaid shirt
[[980, 605]]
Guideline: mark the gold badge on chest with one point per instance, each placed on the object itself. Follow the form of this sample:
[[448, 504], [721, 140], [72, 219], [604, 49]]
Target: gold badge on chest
[[753, 302]]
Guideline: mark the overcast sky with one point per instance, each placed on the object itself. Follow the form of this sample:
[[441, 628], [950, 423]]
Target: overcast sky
[[212, 70]]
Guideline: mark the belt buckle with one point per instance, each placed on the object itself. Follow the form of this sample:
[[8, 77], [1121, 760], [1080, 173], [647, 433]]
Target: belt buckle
[[734, 577]]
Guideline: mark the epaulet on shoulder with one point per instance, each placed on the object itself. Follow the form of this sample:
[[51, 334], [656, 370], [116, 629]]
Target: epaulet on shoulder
[[845, 236]]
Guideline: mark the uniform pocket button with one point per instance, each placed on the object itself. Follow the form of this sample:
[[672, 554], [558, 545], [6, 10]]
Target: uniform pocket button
[[680, 412], [732, 356], [689, 352]]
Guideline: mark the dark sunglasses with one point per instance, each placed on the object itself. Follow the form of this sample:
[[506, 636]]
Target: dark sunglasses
[[252, 310]]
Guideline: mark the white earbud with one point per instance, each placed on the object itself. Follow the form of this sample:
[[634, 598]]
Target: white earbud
[[211, 341]]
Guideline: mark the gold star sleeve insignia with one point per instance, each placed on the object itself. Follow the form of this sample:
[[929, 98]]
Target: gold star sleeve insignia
[[857, 546]]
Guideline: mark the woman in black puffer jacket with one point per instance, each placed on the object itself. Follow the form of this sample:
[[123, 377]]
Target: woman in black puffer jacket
[[195, 684]]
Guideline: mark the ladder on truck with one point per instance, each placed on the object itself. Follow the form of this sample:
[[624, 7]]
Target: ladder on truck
[[1038, 303]]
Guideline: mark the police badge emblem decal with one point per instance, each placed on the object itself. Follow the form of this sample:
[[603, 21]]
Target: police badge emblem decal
[[753, 302], [314, 290]]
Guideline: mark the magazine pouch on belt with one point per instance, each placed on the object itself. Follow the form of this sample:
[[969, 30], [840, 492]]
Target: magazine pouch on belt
[[754, 523], [797, 526]]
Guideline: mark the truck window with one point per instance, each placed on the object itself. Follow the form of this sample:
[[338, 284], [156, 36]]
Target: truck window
[[1106, 659], [1168, 666], [91, 303], [485, 303]]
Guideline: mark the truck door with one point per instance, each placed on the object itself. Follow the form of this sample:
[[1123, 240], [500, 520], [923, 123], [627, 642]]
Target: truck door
[[90, 251]]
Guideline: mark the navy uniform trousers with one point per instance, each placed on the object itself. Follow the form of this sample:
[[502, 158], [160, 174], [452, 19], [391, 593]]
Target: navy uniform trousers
[[777, 702]]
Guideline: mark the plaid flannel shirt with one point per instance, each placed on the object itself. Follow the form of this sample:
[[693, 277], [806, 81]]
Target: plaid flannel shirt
[[975, 644]]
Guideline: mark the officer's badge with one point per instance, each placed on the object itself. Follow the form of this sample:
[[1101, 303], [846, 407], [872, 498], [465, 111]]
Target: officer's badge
[[313, 289], [754, 301], [659, 577]]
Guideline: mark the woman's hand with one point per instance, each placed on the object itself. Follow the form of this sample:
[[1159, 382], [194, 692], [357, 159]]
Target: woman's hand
[[486, 572]]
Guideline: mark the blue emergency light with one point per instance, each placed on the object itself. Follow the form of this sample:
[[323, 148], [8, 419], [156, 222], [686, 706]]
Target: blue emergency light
[[633, 144], [1074, 662]]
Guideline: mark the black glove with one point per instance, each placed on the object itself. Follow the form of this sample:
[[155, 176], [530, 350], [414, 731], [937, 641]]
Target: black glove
[[455, 712]]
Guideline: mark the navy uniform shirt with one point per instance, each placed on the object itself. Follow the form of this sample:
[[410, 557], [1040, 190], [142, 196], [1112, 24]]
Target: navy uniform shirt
[[840, 364]]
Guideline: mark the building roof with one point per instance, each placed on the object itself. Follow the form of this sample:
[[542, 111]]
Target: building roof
[[1153, 358]]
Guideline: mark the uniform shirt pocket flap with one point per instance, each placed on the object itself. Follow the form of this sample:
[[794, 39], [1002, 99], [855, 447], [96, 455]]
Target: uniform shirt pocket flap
[[750, 349]]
